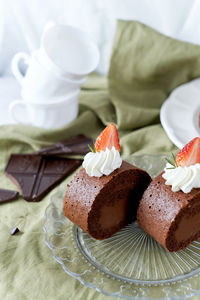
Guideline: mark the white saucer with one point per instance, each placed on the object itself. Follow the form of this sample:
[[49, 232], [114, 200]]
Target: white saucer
[[180, 113]]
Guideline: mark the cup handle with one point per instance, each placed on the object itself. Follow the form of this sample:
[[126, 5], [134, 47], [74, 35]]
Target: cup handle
[[15, 65], [12, 110]]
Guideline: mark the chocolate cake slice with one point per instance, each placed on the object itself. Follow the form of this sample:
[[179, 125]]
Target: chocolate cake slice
[[171, 218], [103, 205]]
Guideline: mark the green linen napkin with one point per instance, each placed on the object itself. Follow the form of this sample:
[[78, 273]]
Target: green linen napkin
[[145, 67]]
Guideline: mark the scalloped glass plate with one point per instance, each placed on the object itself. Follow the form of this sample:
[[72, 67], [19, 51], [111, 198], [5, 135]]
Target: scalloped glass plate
[[130, 264]]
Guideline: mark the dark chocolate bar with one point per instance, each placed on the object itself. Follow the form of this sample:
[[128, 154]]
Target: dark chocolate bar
[[8, 195], [36, 175], [74, 145]]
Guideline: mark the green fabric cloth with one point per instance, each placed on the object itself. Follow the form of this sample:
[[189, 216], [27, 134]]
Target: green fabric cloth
[[145, 67]]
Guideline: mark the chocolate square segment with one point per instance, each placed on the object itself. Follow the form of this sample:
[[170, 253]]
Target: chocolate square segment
[[24, 164], [74, 145], [58, 166], [36, 175], [8, 195]]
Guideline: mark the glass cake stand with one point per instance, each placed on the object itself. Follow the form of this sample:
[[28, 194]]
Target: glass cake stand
[[130, 264]]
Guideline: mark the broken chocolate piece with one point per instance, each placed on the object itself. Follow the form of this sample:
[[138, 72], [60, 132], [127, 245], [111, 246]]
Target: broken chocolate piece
[[36, 175], [74, 145], [14, 230], [8, 195]]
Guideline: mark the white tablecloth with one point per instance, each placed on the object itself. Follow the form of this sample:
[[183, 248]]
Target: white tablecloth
[[22, 23], [9, 91]]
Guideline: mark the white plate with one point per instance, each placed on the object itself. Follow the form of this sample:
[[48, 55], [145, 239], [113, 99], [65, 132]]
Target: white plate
[[180, 113]]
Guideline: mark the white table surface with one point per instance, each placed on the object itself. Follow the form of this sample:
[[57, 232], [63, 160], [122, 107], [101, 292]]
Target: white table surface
[[9, 91]]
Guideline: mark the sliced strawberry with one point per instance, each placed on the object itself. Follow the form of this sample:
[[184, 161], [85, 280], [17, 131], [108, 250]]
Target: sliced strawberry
[[190, 154], [108, 138]]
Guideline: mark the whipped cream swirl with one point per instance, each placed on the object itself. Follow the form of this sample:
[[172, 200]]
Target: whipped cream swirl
[[182, 178], [102, 162]]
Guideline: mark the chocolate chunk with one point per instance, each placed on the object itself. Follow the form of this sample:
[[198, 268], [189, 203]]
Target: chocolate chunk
[[36, 175], [74, 145], [14, 230], [7, 195]]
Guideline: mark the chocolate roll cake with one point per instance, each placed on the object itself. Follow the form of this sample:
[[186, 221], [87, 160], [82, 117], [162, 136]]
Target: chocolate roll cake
[[103, 205], [171, 218]]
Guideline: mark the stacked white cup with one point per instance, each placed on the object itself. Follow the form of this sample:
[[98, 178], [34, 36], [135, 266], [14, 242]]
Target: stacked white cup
[[55, 73]]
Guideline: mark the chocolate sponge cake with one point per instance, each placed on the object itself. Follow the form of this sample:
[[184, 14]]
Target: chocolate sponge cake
[[103, 205], [171, 218]]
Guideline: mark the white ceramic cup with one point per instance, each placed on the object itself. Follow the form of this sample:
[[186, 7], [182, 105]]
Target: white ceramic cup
[[68, 51], [46, 115], [39, 83]]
